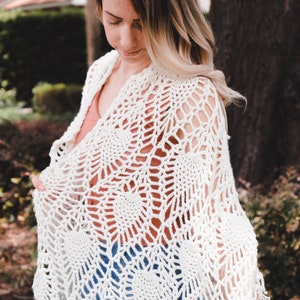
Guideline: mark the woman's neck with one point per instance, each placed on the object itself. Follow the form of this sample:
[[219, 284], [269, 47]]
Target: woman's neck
[[125, 69]]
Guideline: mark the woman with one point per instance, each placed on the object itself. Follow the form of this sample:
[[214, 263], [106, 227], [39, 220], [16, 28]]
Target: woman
[[139, 199]]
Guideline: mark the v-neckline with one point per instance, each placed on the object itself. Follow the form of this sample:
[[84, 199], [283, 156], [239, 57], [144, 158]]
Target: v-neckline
[[103, 116]]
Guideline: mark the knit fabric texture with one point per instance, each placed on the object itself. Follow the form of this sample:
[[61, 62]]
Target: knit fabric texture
[[145, 206]]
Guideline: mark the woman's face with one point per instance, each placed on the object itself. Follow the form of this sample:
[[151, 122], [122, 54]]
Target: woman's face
[[123, 30]]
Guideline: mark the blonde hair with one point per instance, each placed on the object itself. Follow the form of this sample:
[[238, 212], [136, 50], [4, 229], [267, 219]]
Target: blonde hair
[[180, 40]]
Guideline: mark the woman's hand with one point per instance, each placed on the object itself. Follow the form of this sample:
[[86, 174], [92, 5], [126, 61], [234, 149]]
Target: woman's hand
[[37, 183]]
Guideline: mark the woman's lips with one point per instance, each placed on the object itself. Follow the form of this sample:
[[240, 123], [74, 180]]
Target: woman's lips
[[130, 53]]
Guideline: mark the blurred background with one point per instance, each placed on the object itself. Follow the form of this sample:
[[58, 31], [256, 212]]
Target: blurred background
[[46, 47]]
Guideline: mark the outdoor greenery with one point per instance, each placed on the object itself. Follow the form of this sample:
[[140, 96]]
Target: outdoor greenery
[[11, 109], [24, 148], [56, 98], [276, 220], [35, 46]]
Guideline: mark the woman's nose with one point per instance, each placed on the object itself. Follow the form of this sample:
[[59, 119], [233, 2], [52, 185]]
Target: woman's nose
[[128, 38]]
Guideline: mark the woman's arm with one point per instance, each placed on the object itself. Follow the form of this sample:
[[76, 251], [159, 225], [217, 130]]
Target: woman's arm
[[218, 225]]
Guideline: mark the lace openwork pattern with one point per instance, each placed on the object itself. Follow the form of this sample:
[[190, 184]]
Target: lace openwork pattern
[[145, 206]]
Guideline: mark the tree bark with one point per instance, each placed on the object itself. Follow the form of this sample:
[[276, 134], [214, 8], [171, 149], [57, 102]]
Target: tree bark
[[258, 46], [96, 41]]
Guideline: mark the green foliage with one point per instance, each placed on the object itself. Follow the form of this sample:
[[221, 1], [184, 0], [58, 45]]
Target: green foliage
[[24, 148], [12, 110], [56, 98], [7, 97], [37, 46], [276, 220], [15, 113], [6, 15]]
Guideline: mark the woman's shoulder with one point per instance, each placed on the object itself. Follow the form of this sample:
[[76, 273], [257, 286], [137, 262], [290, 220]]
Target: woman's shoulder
[[207, 95], [196, 86], [204, 84], [197, 94]]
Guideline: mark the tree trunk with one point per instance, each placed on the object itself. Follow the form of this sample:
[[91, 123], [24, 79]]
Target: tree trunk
[[97, 44], [259, 51]]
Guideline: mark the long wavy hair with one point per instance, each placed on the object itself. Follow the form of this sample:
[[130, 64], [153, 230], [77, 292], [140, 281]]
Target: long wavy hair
[[179, 39]]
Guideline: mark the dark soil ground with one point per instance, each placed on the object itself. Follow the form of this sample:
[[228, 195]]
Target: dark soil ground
[[17, 261]]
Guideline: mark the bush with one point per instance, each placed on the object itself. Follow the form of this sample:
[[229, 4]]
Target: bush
[[276, 220], [56, 98], [37, 46], [24, 149], [7, 97], [11, 109]]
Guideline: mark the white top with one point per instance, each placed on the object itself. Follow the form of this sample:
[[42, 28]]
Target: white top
[[145, 206]]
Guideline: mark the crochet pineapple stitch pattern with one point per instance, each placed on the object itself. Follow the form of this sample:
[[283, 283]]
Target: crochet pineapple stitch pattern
[[145, 206]]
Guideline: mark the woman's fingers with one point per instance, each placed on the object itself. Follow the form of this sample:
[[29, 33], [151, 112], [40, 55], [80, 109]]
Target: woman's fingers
[[37, 183]]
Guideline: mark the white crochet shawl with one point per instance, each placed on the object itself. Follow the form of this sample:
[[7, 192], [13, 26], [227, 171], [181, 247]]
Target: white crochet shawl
[[154, 172]]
